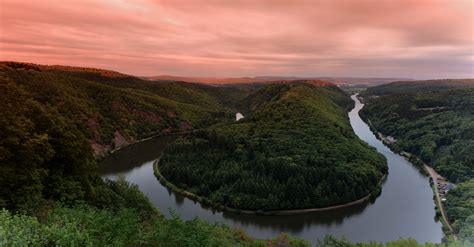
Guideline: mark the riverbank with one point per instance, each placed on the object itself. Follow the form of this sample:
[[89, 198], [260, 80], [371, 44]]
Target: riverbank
[[205, 201], [105, 155], [447, 227], [407, 212], [435, 176], [428, 171]]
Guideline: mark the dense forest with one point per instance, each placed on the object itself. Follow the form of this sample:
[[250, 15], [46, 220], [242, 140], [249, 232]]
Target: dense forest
[[295, 149], [460, 209], [83, 225], [53, 118], [402, 87], [435, 121], [436, 126], [50, 193], [113, 110], [122, 217]]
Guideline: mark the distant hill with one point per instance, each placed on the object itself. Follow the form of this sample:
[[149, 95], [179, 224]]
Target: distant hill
[[419, 86], [39, 67], [114, 109], [341, 80], [207, 80], [266, 79]]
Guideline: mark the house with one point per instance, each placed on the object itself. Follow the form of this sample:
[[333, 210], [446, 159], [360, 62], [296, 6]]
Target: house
[[390, 139], [449, 186], [238, 116]]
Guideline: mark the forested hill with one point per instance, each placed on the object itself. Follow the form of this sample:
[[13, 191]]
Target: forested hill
[[50, 194], [272, 93], [436, 123], [113, 109], [418, 86], [294, 149]]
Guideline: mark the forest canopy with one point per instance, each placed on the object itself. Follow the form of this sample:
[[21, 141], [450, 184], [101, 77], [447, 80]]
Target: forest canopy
[[113, 110], [54, 119], [437, 126], [294, 149], [433, 120]]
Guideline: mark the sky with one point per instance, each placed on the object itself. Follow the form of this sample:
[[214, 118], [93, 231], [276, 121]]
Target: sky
[[363, 38]]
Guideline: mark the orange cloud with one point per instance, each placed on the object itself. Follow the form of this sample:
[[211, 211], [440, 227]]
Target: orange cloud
[[418, 39]]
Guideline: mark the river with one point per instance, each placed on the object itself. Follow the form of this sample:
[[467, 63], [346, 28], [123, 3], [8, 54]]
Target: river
[[405, 208]]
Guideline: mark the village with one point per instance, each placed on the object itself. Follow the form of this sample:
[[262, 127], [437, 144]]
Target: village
[[443, 187]]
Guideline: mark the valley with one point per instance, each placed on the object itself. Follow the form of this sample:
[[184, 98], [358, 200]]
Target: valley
[[328, 123], [300, 148], [399, 211]]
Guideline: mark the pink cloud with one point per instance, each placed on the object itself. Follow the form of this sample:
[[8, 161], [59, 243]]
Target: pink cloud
[[420, 39]]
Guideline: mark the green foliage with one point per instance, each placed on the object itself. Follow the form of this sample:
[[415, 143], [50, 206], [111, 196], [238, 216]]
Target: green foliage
[[435, 121], [122, 216], [121, 194], [438, 127], [330, 241], [80, 226], [128, 219], [402, 87], [86, 226], [175, 232], [460, 209], [42, 155], [294, 149], [19, 230], [112, 109], [51, 116]]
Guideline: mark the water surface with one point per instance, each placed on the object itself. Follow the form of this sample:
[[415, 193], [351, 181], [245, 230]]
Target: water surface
[[404, 209]]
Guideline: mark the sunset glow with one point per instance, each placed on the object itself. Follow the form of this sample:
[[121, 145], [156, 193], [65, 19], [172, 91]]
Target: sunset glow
[[415, 39]]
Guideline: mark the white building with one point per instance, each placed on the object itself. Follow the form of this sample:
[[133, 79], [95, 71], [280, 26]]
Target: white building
[[238, 116]]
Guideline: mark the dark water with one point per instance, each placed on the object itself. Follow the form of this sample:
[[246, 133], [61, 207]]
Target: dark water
[[404, 209]]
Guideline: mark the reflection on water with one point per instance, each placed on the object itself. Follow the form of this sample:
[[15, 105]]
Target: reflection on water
[[404, 209], [134, 156]]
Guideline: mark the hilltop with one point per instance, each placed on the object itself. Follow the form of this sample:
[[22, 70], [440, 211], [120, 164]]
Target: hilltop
[[418, 86]]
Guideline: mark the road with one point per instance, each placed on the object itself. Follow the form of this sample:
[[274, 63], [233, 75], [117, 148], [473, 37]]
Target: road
[[434, 175]]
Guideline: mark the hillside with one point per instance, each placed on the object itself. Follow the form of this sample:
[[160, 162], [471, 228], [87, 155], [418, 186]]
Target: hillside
[[435, 124], [51, 195], [418, 86], [435, 121], [294, 149], [55, 119], [114, 109], [271, 79]]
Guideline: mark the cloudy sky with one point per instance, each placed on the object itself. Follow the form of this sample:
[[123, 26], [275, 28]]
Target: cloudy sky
[[368, 38]]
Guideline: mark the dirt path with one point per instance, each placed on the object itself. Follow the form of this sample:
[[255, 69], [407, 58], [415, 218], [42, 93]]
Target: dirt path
[[434, 175]]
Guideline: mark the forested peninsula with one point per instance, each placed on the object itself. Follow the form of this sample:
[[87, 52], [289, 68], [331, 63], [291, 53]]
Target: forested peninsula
[[294, 149]]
